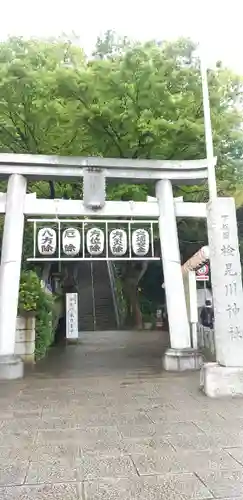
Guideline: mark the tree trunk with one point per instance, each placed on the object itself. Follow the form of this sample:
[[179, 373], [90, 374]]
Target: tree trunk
[[52, 190], [134, 314], [131, 278], [46, 271]]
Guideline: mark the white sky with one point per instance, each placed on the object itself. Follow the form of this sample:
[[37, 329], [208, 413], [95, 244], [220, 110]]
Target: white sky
[[217, 23]]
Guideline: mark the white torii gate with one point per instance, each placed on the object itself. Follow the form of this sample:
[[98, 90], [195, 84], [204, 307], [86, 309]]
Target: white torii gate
[[223, 244], [16, 204]]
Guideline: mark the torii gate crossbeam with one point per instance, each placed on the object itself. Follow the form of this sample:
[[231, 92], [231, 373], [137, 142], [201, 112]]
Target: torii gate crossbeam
[[18, 169]]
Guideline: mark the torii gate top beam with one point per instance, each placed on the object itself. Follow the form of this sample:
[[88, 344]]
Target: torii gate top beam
[[40, 167]]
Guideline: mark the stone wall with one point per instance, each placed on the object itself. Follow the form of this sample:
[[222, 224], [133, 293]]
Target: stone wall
[[206, 342], [25, 339]]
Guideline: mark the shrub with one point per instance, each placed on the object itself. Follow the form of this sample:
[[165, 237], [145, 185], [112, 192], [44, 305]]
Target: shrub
[[34, 299], [29, 291], [147, 309], [44, 324]]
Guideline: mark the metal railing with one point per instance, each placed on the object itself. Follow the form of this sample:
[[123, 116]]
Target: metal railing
[[206, 341], [114, 292]]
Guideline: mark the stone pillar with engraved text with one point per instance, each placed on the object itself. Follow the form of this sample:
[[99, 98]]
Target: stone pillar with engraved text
[[226, 376]]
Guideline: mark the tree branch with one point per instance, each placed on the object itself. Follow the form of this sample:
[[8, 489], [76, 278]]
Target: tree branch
[[52, 190], [20, 133], [108, 132], [13, 140]]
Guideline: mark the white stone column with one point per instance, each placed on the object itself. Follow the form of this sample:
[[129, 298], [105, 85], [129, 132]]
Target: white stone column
[[174, 286], [190, 286], [11, 257], [181, 356], [226, 376]]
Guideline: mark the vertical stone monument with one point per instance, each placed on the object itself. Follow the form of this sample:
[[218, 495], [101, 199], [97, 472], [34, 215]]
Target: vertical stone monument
[[225, 377]]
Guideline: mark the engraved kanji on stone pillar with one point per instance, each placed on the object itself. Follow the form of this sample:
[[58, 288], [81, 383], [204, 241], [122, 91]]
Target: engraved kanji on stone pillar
[[226, 281]]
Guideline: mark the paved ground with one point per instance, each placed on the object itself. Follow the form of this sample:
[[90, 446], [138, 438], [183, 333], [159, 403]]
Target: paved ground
[[99, 421]]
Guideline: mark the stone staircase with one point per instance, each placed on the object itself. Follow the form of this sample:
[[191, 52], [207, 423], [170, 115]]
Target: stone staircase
[[96, 307]]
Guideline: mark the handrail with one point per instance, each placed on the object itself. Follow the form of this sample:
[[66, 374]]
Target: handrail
[[113, 291], [93, 295]]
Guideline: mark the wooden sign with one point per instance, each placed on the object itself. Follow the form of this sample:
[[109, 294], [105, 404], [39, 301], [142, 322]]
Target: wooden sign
[[71, 315]]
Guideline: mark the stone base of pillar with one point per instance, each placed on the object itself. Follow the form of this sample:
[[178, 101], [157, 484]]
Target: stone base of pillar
[[218, 381], [180, 360], [11, 368]]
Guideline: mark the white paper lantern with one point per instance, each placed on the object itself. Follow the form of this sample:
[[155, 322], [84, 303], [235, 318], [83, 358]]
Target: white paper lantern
[[140, 242], [47, 241], [71, 241], [118, 242], [95, 240]]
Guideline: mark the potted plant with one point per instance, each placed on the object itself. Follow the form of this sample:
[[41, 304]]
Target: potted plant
[[147, 321], [147, 313]]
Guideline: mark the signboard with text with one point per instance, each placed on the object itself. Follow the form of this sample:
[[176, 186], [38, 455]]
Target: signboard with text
[[226, 281], [93, 239], [202, 273], [71, 315]]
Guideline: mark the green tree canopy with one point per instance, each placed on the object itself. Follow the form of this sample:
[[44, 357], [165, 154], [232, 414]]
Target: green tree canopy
[[130, 100]]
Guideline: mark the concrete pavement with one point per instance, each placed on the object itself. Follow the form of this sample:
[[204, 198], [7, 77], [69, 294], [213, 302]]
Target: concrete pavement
[[100, 421]]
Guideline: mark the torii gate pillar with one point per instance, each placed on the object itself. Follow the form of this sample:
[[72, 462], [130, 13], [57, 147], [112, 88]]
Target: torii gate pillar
[[11, 367], [180, 356]]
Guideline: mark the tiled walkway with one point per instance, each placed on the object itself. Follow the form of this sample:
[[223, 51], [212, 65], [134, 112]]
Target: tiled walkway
[[99, 421]]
